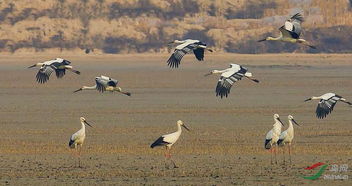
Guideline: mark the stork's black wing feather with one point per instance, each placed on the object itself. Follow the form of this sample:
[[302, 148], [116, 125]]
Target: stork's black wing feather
[[175, 59], [60, 73], [159, 142], [199, 53], [100, 86], [224, 84], [325, 107], [44, 73]]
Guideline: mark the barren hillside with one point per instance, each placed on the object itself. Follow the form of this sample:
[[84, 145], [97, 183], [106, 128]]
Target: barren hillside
[[130, 26]]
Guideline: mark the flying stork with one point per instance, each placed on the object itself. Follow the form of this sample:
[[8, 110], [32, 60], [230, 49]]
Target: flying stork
[[228, 77], [327, 103], [291, 31], [184, 47], [168, 140], [58, 65], [78, 138], [272, 136], [286, 136], [104, 83]]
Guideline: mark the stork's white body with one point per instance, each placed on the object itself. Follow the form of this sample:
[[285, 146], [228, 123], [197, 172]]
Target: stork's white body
[[274, 134], [327, 103], [287, 135], [272, 137], [173, 137], [78, 137], [228, 77], [184, 43]]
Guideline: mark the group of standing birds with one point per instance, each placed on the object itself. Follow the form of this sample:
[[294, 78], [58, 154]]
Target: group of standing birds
[[289, 32], [275, 137]]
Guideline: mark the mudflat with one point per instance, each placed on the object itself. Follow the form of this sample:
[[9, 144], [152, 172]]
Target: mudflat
[[226, 141]]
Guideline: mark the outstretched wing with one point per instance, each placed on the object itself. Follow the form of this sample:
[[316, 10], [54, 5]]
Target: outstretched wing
[[325, 107], [101, 84], [175, 59], [225, 82], [44, 73], [293, 25], [199, 53]]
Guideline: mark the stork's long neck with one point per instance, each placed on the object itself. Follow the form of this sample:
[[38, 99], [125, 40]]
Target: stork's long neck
[[290, 125], [219, 71], [179, 130], [83, 128], [274, 38], [89, 88], [316, 97], [277, 124]]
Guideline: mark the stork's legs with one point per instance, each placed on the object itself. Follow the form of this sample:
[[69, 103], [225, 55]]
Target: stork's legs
[[271, 156], [289, 152], [283, 153], [168, 156], [275, 153]]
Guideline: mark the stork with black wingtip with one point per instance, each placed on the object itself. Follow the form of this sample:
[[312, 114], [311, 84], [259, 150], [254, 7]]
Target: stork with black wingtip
[[77, 139], [168, 140], [272, 137], [228, 77], [58, 65], [104, 83], [286, 137], [184, 47], [327, 103], [291, 32]]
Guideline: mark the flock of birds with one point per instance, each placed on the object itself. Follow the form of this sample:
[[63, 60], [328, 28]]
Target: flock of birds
[[290, 32]]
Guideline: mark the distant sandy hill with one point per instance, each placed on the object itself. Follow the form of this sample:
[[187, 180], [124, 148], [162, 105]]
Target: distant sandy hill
[[137, 26]]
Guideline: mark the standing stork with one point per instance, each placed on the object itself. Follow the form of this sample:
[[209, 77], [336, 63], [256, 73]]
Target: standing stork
[[228, 77], [327, 103], [273, 136], [104, 83], [286, 136], [78, 138], [184, 47], [58, 65], [168, 140], [291, 31]]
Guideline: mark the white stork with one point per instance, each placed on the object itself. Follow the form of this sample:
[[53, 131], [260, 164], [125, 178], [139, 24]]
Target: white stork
[[77, 139], [272, 136], [184, 47], [327, 103], [291, 31], [286, 136], [104, 83], [228, 77], [168, 140], [58, 65]]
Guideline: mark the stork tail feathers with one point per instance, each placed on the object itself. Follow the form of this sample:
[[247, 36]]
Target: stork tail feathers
[[158, 142], [71, 143], [267, 144]]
